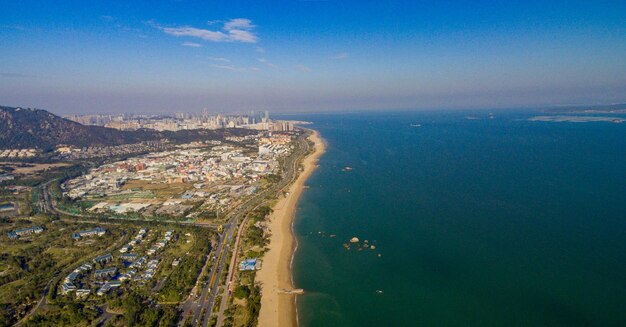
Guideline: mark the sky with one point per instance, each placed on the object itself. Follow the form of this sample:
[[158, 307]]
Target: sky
[[309, 55]]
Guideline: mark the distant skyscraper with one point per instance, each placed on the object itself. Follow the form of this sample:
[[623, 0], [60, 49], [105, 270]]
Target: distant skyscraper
[[267, 115]]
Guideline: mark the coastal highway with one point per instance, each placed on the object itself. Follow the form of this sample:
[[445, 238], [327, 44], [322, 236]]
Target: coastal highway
[[209, 292], [290, 174], [199, 308]]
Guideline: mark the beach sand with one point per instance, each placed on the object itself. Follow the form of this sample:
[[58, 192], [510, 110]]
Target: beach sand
[[280, 309]]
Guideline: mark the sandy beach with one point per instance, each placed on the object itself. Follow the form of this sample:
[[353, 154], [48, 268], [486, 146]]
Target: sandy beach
[[280, 309]]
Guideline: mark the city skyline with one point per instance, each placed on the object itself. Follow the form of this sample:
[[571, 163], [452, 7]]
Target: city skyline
[[299, 56]]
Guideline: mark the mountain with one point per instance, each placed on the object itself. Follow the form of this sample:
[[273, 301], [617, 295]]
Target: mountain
[[37, 128]]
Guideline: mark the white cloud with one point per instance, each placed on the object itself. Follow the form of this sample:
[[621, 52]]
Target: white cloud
[[342, 55], [260, 50], [238, 24], [235, 68], [192, 44], [242, 36], [219, 59], [196, 32], [303, 68], [227, 67], [234, 30]]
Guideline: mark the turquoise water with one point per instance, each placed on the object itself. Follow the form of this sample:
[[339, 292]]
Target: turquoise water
[[486, 222]]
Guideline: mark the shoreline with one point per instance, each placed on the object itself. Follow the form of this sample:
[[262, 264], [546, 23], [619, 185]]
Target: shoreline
[[280, 309]]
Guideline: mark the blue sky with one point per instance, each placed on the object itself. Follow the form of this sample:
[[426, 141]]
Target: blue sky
[[161, 56]]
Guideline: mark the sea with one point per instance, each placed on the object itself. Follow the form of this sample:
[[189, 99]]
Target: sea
[[464, 218]]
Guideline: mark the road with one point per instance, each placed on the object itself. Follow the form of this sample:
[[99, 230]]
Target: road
[[289, 176], [194, 306], [42, 300]]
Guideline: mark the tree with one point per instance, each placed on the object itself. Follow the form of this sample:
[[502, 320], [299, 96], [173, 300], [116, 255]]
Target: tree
[[241, 292]]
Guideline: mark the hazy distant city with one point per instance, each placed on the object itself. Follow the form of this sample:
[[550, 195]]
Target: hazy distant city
[[182, 121]]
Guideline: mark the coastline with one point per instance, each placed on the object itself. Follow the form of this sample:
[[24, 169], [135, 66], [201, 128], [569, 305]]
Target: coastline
[[280, 309]]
